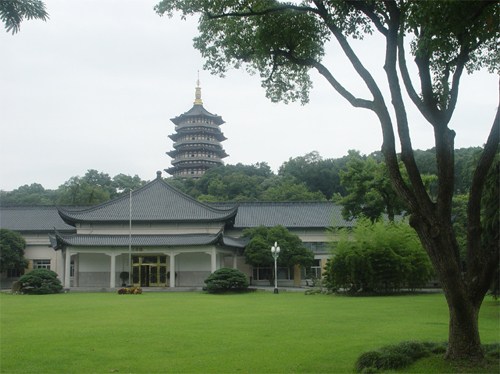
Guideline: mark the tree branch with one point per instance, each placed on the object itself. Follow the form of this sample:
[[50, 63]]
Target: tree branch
[[475, 254], [261, 12]]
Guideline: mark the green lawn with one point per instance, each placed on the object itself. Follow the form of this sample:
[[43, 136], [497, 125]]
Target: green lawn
[[196, 332]]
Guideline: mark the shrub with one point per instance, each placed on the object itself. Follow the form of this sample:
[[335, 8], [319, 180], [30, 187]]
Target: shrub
[[39, 282], [383, 257], [492, 350], [130, 291], [393, 357], [226, 279]]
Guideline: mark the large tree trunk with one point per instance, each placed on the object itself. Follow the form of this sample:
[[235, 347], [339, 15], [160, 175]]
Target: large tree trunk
[[462, 298], [463, 339]]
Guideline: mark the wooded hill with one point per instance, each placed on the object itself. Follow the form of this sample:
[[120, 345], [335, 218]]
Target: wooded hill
[[305, 178]]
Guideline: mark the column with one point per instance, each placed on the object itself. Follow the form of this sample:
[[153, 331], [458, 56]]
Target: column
[[76, 276], [112, 278], [213, 263], [235, 262], [172, 269], [67, 269], [63, 266]]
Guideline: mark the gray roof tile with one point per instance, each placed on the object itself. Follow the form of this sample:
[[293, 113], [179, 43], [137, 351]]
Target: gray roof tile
[[60, 240], [311, 214], [157, 201], [40, 218]]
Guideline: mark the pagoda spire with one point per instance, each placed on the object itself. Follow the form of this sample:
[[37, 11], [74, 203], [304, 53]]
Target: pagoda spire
[[198, 92]]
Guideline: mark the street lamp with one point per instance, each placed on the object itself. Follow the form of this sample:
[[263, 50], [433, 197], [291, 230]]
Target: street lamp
[[275, 251]]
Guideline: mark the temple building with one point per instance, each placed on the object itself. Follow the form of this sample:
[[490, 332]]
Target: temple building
[[163, 238], [197, 141]]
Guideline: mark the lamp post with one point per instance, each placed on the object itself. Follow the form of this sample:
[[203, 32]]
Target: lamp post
[[275, 251]]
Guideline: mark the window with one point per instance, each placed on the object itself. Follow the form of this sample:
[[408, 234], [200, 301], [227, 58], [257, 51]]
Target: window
[[265, 273], [41, 264], [316, 246], [313, 271], [14, 273]]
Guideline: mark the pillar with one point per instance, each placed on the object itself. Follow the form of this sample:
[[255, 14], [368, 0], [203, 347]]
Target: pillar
[[172, 269], [67, 269], [213, 260], [76, 276], [235, 262], [112, 271]]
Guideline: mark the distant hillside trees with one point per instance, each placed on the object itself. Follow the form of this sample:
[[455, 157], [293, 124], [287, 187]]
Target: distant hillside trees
[[304, 178], [93, 188]]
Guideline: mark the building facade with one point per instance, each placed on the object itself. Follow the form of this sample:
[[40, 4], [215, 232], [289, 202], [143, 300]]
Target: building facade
[[197, 141], [164, 237]]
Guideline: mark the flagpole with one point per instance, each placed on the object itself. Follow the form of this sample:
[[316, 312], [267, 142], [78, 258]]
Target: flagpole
[[130, 238]]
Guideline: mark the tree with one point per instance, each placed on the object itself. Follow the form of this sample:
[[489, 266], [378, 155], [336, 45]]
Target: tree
[[78, 191], [377, 257], [13, 12], [258, 249], [29, 195], [282, 41], [317, 173], [12, 246], [370, 191], [287, 190]]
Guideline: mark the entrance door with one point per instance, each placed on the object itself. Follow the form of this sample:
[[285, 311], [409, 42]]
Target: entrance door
[[149, 271], [144, 276]]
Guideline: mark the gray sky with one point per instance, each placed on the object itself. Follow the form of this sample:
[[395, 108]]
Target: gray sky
[[95, 88]]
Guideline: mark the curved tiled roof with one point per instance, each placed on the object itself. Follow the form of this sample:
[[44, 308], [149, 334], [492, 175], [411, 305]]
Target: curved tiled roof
[[157, 201], [88, 240], [308, 214], [39, 218], [198, 111]]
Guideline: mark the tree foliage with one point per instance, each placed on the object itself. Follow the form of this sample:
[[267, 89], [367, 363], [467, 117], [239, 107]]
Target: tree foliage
[[317, 173], [14, 12], [93, 188], [282, 41], [12, 246], [258, 249], [377, 257]]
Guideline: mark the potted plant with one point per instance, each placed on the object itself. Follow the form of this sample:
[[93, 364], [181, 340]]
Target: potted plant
[[124, 277]]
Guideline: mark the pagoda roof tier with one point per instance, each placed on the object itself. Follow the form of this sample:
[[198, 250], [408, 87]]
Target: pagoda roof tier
[[195, 145], [189, 163], [157, 201], [197, 111], [217, 135], [219, 152]]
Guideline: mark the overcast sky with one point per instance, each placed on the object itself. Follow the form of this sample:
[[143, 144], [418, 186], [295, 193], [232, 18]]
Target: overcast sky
[[96, 85]]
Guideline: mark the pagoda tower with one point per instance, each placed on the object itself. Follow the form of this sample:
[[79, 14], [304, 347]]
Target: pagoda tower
[[197, 141]]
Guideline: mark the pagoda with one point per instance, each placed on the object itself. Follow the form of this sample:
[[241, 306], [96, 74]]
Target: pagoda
[[197, 141]]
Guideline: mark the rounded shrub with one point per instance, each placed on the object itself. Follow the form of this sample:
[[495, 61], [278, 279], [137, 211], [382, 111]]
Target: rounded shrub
[[40, 282], [226, 279], [367, 360]]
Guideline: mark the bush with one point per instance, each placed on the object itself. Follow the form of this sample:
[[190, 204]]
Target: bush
[[226, 279], [382, 258], [130, 291], [492, 350], [40, 282]]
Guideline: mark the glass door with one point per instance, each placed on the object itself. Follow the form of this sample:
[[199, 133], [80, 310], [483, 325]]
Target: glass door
[[149, 271]]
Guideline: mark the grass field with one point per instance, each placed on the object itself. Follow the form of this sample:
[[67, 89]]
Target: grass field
[[178, 332]]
